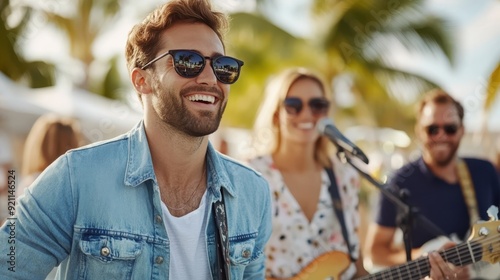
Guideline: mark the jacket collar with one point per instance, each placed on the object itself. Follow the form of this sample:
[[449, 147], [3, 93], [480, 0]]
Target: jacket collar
[[140, 165]]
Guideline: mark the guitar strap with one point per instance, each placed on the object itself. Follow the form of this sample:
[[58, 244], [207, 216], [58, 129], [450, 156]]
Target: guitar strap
[[468, 190], [221, 236], [338, 207]]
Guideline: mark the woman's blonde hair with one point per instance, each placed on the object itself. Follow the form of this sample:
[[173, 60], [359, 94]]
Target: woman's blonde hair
[[50, 137], [267, 134]]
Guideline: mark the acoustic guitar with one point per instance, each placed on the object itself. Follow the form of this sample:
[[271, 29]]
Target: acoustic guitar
[[483, 245]]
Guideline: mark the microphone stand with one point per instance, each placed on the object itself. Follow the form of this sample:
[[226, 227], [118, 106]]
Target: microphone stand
[[408, 213]]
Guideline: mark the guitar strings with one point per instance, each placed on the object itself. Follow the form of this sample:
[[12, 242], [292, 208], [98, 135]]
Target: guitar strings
[[475, 246], [415, 267], [464, 253]]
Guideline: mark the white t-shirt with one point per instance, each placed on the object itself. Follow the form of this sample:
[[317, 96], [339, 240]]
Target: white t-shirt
[[188, 246]]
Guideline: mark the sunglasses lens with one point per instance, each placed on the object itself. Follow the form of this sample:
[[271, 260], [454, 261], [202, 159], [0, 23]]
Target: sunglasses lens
[[319, 106], [293, 106], [226, 69], [432, 129], [188, 64], [450, 129]]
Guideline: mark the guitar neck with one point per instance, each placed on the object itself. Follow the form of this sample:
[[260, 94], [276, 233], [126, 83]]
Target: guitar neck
[[460, 255]]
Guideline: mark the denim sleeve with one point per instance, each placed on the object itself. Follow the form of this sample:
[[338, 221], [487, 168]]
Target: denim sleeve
[[40, 236], [256, 270]]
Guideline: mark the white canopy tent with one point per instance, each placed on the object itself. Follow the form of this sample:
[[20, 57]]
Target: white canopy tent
[[17, 112], [100, 118]]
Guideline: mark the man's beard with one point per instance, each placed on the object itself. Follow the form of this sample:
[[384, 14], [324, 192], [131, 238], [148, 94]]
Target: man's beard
[[444, 161], [171, 109]]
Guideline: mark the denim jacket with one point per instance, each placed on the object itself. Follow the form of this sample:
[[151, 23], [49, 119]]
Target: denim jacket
[[96, 212]]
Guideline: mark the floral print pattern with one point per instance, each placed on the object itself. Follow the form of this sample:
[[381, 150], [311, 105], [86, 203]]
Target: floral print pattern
[[296, 242]]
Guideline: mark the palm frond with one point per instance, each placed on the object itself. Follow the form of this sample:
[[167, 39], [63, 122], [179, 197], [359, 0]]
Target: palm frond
[[492, 88], [13, 64], [429, 35]]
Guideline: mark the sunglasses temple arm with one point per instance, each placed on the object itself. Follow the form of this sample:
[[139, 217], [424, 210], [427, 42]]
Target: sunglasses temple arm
[[154, 60]]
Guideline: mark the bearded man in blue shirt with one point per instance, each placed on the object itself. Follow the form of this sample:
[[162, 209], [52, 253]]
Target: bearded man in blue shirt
[[452, 192]]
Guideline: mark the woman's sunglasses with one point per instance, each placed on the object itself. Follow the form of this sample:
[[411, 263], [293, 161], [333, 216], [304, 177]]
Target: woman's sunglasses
[[189, 64], [449, 129], [294, 105]]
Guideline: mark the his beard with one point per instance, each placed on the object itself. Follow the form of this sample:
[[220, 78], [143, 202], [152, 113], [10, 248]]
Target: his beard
[[171, 109], [446, 159]]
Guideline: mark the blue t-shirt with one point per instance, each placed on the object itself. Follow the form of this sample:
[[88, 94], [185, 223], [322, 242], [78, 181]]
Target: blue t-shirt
[[440, 202]]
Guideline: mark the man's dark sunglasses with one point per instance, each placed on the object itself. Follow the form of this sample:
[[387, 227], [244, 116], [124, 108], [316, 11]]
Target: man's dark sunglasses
[[449, 129], [189, 64], [294, 105]]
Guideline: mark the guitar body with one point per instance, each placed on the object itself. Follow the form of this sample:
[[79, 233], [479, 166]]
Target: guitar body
[[329, 265]]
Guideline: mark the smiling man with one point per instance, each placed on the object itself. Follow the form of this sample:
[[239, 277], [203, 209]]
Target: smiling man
[[452, 192], [158, 202]]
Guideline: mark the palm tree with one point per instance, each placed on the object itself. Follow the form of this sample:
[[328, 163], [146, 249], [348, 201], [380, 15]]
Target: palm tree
[[483, 136], [265, 49], [359, 38], [13, 64], [82, 29], [492, 88], [354, 37]]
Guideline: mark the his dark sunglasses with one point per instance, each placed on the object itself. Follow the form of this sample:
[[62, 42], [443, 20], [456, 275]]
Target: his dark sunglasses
[[189, 64], [449, 129], [319, 106]]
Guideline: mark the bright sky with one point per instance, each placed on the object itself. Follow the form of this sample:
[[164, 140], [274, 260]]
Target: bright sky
[[476, 24], [477, 32]]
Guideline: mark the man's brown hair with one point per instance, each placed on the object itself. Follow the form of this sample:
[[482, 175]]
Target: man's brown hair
[[439, 96], [142, 44]]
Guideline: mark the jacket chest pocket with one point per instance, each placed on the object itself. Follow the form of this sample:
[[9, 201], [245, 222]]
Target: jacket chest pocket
[[108, 257], [241, 253]]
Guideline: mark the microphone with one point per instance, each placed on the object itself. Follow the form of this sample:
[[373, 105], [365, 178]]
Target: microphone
[[326, 127]]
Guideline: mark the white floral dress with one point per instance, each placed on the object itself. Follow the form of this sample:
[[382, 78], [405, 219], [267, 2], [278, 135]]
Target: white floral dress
[[295, 242]]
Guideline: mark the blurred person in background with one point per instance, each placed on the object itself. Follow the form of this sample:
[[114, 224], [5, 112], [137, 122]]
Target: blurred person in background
[[307, 238], [450, 191], [50, 137], [158, 202]]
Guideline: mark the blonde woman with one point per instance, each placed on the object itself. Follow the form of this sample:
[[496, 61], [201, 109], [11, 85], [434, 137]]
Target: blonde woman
[[294, 158]]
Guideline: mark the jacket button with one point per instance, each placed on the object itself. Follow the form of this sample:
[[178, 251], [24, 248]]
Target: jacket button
[[159, 260], [158, 219], [105, 251], [246, 254]]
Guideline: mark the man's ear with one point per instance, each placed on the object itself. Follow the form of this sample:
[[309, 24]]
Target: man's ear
[[276, 118], [138, 77], [418, 131]]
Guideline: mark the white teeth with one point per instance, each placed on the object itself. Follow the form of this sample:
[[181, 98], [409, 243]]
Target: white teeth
[[200, 97], [308, 125], [441, 145]]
